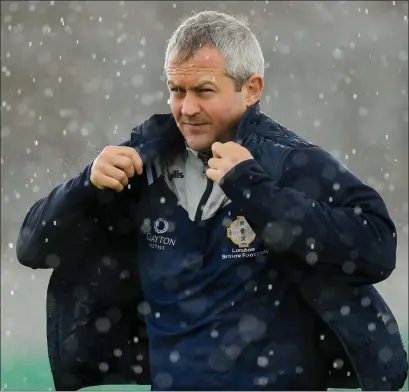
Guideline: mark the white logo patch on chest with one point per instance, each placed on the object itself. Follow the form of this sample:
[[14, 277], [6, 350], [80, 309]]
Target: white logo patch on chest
[[159, 241], [161, 226], [241, 233]]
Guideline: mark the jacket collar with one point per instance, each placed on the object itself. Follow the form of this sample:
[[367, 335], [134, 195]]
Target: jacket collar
[[156, 136], [247, 124], [160, 135]]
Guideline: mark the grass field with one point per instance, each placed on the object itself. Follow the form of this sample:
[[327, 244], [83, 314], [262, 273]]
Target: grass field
[[33, 374]]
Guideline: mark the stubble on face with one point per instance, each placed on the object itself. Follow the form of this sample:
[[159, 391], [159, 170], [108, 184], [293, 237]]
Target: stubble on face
[[204, 101]]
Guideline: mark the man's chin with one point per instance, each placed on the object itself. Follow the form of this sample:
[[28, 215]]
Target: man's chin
[[199, 145]]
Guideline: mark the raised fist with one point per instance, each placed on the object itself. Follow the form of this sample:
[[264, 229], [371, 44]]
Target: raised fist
[[114, 166]]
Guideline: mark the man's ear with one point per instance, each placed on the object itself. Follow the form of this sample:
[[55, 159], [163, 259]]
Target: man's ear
[[253, 89]]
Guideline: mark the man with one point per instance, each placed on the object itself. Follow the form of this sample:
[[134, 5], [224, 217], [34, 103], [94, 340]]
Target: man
[[256, 250]]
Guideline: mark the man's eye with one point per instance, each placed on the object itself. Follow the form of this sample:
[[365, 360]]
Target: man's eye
[[200, 90]]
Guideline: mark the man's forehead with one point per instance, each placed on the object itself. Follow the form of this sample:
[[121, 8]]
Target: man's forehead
[[195, 67], [205, 55], [206, 60], [194, 75]]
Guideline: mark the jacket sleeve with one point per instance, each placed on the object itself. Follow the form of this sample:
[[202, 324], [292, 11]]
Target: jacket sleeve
[[53, 222], [320, 213], [57, 226]]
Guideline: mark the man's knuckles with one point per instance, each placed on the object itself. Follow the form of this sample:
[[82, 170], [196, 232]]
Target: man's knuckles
[[122, 177], [211, 162]]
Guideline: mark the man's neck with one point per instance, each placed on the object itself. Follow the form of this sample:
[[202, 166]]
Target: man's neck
[[206, 153]]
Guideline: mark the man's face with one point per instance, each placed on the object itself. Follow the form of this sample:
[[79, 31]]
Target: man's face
[[203, 100]]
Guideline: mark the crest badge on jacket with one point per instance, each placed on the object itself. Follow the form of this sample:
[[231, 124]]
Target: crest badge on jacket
[[241, 233]]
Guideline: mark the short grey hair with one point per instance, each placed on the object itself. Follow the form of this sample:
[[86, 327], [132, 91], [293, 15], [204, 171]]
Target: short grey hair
[[232, 37]]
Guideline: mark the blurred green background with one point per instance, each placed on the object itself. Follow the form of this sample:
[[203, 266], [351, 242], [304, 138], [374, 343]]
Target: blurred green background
[[78, 75], [33, 373]]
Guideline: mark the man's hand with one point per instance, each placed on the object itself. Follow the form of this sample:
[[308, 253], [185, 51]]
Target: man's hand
[[114, 166], [225, 157]]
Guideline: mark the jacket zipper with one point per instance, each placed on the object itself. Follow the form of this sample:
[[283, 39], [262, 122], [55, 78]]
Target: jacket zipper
[[203, 200]]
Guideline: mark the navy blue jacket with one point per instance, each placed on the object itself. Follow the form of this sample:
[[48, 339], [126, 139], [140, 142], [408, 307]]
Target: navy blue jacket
[[322, 239]]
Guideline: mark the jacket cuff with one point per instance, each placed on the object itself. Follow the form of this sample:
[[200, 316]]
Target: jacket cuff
[[236, 181], [88, 192]]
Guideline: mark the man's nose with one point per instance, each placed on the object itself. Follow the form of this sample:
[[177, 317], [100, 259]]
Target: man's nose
[[190, 106]]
